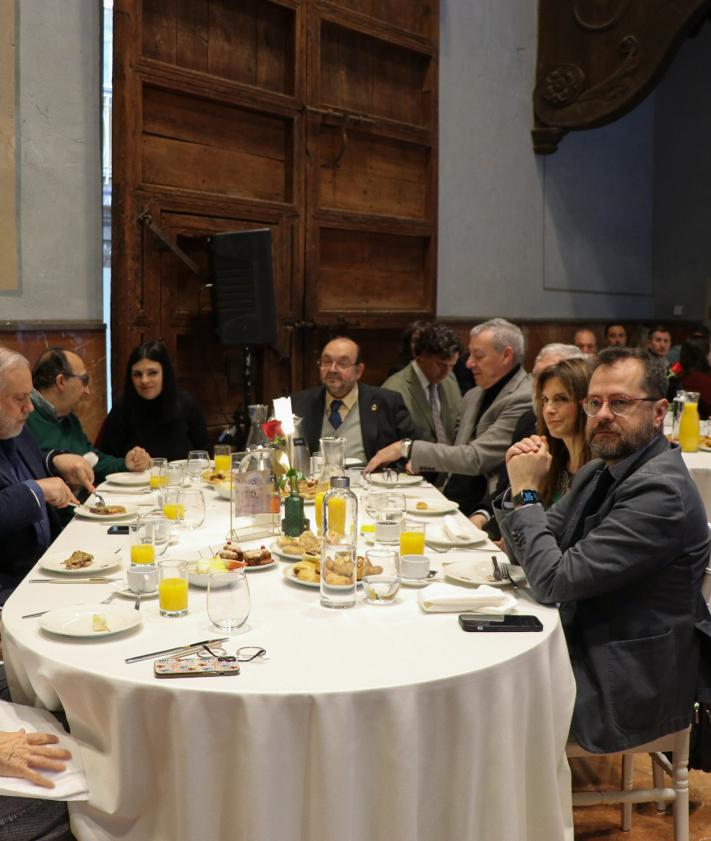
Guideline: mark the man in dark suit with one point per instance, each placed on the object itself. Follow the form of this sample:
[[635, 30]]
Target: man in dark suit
[[623, 553], [368, 418], [30, 483]]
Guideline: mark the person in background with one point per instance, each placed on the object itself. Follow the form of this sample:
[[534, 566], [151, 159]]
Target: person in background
[[407, 345], [659, 343], [622, 554], [152, 414], [585, 341], [696, 373], [60, 381], [32, 484], [615, 335], [367, 417], [427, 386], [698, 332], [490, 413]]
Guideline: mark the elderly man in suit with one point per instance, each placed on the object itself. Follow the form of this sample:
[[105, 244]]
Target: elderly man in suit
[[491, 410], [32, 484], [428, 386], [367, 417], [623, 553]]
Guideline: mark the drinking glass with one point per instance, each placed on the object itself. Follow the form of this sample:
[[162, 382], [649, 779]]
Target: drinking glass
[[142, 542], [198, 461], [172, 505], [162, 529], [222, 459], [388, 510], [381, 576], [173, 588], [315, 466], [412, 538], [158, 473], [338, 575], [174, 475], [228, 600], [193, 507]]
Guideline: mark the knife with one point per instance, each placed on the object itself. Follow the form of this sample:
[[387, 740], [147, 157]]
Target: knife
[[179, 648], [96, 580]]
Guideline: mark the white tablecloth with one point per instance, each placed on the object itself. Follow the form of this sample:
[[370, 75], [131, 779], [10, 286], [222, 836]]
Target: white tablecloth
[[367, 724], [699, 465]]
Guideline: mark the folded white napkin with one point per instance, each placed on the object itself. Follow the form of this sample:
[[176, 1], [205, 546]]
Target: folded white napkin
[[461, 531], [441, 597], [69, 784]]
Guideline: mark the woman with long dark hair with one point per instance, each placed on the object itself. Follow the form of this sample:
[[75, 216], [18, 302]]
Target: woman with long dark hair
[[560, 417], [696, 372], [152, 413]]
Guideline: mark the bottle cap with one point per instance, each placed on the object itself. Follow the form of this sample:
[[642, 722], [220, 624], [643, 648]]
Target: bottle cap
[[340, 482]]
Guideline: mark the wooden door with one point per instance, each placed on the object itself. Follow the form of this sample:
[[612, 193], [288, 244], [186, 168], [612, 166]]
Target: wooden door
[[315, 119]]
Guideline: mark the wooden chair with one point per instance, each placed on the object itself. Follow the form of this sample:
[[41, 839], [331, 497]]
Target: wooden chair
[[676, 743]]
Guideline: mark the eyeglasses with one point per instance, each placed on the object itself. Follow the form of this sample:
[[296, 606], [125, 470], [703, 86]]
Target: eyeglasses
[[245, 654], [332, 363], [83, 378], [618, 404]]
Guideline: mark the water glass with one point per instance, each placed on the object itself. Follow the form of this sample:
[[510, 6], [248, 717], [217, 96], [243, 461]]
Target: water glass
[[162, 529], [412, 538], [173, 588], [228, 600], [158, 473], [381, 576], [388, 510], [142, 542], [198, 461], [192, 503], [315, 465], [338, 575], [174, 475]]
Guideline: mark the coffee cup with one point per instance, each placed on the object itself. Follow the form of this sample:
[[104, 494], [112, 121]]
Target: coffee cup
[[142, 578], [414, 566]]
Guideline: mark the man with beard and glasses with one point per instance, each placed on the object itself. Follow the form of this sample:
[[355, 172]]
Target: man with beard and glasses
[[623, 554]]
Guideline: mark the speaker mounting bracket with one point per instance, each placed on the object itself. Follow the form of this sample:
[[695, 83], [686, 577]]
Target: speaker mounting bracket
[[146, 219]]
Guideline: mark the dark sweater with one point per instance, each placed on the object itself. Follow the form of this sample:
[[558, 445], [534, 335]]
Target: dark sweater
[[168, 435]]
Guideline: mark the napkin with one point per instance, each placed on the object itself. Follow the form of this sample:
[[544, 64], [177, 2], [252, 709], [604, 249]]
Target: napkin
[[461, 531], [69, 784], [441, 597]]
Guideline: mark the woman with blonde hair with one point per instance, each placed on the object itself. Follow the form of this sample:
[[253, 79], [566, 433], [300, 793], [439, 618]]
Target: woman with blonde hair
[[560, 417]]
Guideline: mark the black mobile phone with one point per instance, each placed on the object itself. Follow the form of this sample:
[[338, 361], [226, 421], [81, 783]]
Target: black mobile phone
[[488, 622], [117, 530]]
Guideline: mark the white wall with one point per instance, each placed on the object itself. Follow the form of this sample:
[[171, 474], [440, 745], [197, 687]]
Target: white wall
[[59, 184], [566, 236], [682, 164]]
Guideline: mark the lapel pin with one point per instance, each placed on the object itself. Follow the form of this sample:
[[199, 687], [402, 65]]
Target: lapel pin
[[373, 407]]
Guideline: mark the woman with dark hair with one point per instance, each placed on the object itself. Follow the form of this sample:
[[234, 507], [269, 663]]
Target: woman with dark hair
[[152, 413], [560, 417], [696, 372]]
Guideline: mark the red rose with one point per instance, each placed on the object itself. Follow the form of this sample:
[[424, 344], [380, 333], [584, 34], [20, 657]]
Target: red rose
[[676, 370], [272, 429]]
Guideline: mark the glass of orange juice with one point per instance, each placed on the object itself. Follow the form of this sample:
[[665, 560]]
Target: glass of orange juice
[[223, 460], [173, 509], [318, 510], [412, 538], [142, 540], [158, 473], [173, 588]]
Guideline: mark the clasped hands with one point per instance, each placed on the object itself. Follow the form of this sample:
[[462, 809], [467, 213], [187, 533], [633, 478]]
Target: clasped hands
[[527, 463]]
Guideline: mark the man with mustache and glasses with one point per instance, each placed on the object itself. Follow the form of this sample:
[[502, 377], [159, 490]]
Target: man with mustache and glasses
[[623, 554], [367, 417]]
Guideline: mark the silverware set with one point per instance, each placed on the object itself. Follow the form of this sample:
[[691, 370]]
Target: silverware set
[[502, 571]]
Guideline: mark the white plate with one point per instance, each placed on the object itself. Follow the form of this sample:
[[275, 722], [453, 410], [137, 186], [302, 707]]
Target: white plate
[[83, 512], [129, 594], [433, 508], [401, 480], [416, 582], [132, 479], [275, 549], [288, 573], [437, 538], [202, 579], [76, 621], [480, 572], [703, 449], [53, 563]]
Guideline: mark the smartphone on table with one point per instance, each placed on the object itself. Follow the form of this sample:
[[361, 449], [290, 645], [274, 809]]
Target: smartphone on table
[[117, 530], [488, 622]]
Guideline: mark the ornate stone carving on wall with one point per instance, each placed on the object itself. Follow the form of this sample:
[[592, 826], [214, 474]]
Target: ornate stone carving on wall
[[597, 59]]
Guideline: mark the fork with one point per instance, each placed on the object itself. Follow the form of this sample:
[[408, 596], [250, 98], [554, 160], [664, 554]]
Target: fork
[[502, 571], [109, 598]]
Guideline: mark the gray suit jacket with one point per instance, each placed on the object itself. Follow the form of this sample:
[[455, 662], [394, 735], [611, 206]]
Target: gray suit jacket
[[478, 451], [407, 384], [628, 590]]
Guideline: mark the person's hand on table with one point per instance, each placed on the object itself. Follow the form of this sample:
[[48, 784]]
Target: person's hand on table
[[528, 463], [57, 492], [479, 520], [387, 455], [75, 470], [22, 752], [137, 460]]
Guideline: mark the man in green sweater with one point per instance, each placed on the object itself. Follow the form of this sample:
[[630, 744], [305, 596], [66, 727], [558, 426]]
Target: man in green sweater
[[60, 381]]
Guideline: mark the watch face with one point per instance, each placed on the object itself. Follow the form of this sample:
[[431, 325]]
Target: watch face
[[529, 497]]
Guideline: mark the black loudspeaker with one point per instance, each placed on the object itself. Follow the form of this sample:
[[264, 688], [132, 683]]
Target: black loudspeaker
[[243, 287]]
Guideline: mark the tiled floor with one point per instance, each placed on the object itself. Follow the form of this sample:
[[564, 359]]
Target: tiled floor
[[603, 822]]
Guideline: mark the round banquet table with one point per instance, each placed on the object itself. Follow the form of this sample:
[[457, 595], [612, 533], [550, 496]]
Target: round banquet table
[[365, 724], [699, 466]]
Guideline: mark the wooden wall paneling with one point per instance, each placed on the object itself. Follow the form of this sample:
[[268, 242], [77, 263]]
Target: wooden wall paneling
[[416, 16]]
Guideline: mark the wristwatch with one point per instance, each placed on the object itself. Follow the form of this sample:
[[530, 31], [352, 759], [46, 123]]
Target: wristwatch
[[406, 446], [526, 497]]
